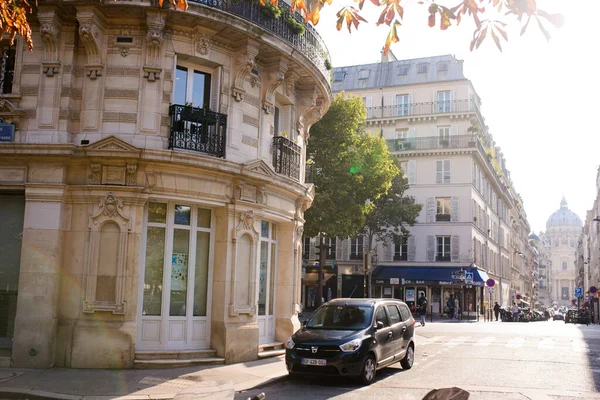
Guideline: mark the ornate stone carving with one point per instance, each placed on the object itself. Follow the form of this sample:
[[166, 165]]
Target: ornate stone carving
[[245, 61], [110, 206], [96, 167], [91, 32], [50, 33], [202, 42], [239, 189], [310, 110], [124, 51], [275, 73], [261, 196], [131, 174], [290, 83], [154, 41], [246, 221]]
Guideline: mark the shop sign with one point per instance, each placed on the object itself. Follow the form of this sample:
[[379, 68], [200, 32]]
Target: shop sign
[[394, 281], [379, 281], [7, 133], [412, 282], [448, 283]]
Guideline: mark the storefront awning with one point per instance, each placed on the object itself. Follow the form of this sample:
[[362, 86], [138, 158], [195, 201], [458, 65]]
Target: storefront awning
[[426, 275]]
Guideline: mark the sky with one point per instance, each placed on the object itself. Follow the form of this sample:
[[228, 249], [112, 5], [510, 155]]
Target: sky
[[540, 99]]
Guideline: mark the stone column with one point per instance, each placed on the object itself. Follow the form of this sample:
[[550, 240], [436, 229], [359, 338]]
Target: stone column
[[39, 279], [286, 309]]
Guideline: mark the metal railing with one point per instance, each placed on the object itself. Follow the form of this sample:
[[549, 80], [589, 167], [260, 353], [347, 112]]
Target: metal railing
[[427, 108], [435, 142], [286, 157], [197, 129], [309, 43]]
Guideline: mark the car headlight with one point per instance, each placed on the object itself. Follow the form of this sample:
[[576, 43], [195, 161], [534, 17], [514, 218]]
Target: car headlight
[[290, 343], [351, 346]]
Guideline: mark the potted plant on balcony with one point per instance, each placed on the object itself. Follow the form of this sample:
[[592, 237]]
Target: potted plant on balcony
[[270, 9], [399, 145], [444, 142], [187, 112], [296, 26]]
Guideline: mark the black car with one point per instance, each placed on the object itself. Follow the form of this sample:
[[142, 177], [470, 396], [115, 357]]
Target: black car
[[353, 337]]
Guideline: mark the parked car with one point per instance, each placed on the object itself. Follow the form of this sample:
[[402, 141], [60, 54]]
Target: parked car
[[353, 337], [558, 316]]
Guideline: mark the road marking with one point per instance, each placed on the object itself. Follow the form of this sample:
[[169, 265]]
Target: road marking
[[579, 347], [485, 341], [431, 340], [516, 342], [457, 341], [546, 344]]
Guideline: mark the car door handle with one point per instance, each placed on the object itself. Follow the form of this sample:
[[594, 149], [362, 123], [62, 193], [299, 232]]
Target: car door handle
[[390, 334], [403, 329]]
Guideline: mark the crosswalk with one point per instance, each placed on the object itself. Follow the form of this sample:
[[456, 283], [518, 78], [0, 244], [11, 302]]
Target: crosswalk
[[544, 343]]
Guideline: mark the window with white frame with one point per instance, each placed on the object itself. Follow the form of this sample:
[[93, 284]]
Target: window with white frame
[[339, 76], [401, 133], [266, 272], [404, 168], [442, 248], [443, 98], [305, 247], [331, 249], [401, 250], [422, 68], [402, 105], [442, 171], [444, 136], [403, 69], [443, 209], [442, 67], [356, 248], [192, 86], [363, 77]]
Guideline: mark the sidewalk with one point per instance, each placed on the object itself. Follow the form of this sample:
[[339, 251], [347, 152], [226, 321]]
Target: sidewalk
[[214, 382]]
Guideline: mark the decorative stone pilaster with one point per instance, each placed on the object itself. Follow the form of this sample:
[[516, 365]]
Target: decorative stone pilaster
[[275, 75], [91, 33], [154, 40], [310, 110], [50, 28], [245, 61]]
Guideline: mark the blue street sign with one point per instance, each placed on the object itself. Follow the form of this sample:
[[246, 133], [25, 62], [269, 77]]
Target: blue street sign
[[578, 292], [7, 133], [469, 276], [490, 283]]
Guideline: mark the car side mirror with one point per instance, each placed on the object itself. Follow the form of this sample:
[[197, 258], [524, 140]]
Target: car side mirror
[[379, 325], [304, 325]]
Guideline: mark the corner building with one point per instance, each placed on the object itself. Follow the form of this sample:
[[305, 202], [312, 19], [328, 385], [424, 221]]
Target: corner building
[[153, 190]]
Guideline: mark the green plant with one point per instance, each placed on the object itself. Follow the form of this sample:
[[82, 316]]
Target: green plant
[[328, 64], [296, 26], [271, 9], [284, 134]]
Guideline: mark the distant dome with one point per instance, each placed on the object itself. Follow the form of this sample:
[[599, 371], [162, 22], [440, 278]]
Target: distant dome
[[564, 217], [535, 237]]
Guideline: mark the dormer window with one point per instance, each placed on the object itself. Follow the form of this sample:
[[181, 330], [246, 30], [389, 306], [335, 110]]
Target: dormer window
[[422, 68], [443, 67], [403, 69], [363, 74], [339, 76]]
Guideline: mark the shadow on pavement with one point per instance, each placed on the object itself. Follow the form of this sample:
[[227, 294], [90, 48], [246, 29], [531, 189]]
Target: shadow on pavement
[[591, 337]]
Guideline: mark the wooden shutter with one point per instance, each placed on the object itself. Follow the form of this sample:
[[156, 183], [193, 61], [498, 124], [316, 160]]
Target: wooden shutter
[[388, 251], [338, 248], [412, 249], [447, 171], [439, 178], [412, 172], [215, 93], [454, 209], [453, 101], [454, 248], [430, 248], [285, 117], [345, 250], [431, 209]]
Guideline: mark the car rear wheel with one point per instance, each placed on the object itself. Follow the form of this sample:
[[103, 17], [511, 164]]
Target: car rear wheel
[[409, 358], [368, 371]]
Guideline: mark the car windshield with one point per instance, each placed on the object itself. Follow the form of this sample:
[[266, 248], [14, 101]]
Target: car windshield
[[341, 317]]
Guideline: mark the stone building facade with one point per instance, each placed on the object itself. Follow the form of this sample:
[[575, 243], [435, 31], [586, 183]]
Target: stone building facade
[[155, 181]]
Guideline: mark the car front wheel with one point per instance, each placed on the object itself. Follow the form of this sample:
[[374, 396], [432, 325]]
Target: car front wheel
[[409, 358], [368, 371]]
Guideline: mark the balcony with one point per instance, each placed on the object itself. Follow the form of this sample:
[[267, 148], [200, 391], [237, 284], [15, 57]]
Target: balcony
[[442, 258], [435, 143], [286, 157], [308, 43], [442, 217], [197, 129], [420, 109]]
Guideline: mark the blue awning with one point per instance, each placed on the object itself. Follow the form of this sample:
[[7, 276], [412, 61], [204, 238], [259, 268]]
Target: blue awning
[[425, 275]]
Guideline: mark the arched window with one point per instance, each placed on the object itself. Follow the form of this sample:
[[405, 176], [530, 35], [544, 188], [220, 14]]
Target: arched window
[[564, 265]]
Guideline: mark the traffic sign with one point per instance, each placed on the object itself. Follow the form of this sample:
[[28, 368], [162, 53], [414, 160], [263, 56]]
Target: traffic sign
[[469, 276], [490, 283], [491, 290], [593, 290], [518, 296], [578, 292]]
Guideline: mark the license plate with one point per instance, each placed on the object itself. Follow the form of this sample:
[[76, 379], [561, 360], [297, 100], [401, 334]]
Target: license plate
[[314, 361]]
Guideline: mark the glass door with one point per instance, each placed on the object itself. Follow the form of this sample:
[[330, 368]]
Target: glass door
[[266, 282], [175, 298], [402, 105], [444, 101]]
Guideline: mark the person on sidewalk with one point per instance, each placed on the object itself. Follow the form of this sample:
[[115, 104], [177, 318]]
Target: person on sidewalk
[[422, 303], [515, 312], [450, 305], [496, 310], [456, 306]]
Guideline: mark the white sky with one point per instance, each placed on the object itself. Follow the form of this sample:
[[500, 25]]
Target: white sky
[[537, 97]]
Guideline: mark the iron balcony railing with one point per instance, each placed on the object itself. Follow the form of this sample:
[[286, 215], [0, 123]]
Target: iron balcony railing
[[197, 129], [427, 108], [309, 43], [286, 157], [435, 142]]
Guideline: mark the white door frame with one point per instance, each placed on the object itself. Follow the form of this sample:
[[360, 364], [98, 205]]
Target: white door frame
[[266, 322]]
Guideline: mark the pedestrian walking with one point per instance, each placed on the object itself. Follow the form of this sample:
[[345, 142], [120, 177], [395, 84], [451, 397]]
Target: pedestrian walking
[[496, 310], [456, 308], [450, 305], [422, 303], [515, 312]]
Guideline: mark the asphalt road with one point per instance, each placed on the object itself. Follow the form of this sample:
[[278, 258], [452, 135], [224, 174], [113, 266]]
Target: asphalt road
[[491, 360]]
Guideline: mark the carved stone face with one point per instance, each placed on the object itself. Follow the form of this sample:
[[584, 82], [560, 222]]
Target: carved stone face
[[110, 204], [155, 36]]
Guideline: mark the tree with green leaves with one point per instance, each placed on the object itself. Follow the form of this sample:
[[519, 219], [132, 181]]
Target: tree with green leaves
[[391, 213], [351, 169]]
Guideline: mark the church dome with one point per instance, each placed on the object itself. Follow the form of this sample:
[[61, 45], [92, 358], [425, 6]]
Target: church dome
[[564, 217]]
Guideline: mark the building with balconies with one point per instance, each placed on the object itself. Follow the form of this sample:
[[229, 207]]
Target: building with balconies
[[152, 168], [430, 115]]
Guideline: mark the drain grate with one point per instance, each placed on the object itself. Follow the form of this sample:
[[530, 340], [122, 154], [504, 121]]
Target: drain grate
[[177, 383]]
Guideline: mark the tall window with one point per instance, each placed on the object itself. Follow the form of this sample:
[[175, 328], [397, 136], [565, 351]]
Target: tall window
[[401, 250], [356, 248], [266, 274], [305, 247], [564, 265], [422, 68], [402, 105], [443, 248], [330, 252], [443, 209], [363, 77], [444, 136], [191, 87], [444, 101], [276, 118], [7, 69], [442, 171]]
